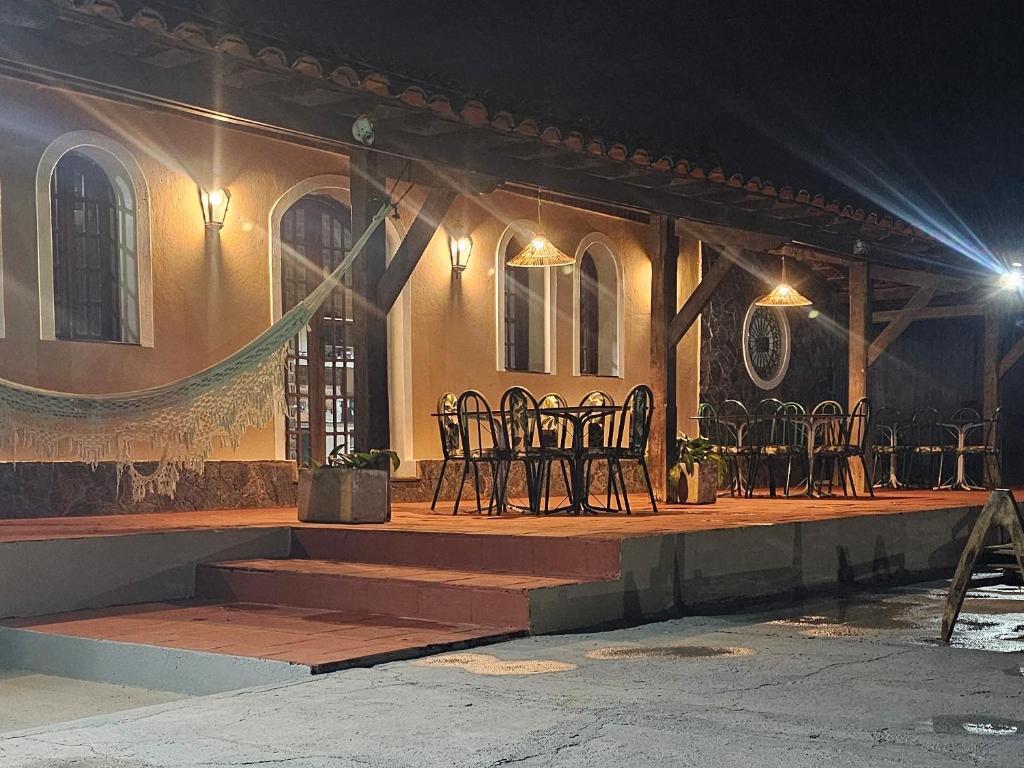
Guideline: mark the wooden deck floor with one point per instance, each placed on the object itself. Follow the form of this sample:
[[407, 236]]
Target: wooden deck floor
[[726, 513]]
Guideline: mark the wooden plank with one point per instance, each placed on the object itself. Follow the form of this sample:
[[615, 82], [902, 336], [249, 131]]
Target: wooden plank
[[990, 355], [1001, 511], [921, 279], [930, 313], [418, 236], [695, 304], [663, 359], [906, 316], [722, 236], [860, 311], [1010, 358], [372, 418]]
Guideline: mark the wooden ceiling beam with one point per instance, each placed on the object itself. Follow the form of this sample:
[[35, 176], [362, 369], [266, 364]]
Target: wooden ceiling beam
[[899, 323], [932, 313]]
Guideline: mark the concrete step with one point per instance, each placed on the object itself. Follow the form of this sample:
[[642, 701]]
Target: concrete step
[[555, 556], [497, 600]]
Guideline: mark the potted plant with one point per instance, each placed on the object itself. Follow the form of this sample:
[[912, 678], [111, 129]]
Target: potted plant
[[349, 488], [696, 472]]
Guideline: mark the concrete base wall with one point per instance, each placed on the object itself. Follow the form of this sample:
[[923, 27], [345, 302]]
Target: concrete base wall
[[674, 574], [57, 575]]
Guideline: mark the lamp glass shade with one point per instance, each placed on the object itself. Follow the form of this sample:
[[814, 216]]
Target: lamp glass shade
[[784, 295], [540, 252], [215, 206], [461, 248]]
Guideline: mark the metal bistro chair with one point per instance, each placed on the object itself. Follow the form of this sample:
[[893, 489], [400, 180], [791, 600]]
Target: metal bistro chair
[[734, 425], [556, 432], [926, 442], [632, 435], [522, 427], [482, 443], [826, 432], [888, 444], [854, 443], [451, 443], [986, 442], [598, 431], [759, 439]]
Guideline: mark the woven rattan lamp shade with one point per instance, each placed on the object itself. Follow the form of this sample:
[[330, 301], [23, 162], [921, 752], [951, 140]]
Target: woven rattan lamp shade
[[540, 252], [784, 295]]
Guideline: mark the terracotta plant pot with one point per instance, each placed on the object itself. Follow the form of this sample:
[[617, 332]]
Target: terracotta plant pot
[[698, 487], [342, 495]]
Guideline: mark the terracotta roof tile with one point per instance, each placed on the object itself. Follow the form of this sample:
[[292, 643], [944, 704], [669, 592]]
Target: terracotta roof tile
[[472, 112]]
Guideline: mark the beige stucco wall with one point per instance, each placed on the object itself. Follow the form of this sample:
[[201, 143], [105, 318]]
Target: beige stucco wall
[[205, 307]]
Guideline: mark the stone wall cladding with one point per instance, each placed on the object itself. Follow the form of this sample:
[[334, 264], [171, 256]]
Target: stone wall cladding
[[70, 489]]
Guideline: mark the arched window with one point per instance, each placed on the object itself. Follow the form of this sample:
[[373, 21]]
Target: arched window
[[95, 276], [598, 317], [525, 298], [86, 252]]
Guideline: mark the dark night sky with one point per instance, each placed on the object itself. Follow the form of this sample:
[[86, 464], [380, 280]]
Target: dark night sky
[[904, 98]]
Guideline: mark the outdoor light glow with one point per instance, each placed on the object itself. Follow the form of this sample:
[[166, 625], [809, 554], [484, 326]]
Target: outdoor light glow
[[1012, 280], [215, 207], [784, 295], [461, 248], [540, 252]]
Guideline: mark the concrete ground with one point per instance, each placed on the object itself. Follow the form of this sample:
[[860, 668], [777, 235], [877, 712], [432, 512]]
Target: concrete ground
[[843, 682]]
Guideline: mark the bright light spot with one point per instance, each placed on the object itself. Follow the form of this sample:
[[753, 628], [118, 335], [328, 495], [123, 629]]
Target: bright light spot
[[1012, 280], [465, 245], [217, 197], [783, 290], [539, 243], [813, 314]]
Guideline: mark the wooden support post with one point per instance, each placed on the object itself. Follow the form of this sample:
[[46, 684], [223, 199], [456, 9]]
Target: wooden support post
[[990, 387], [372, 419], [1010, 358], [860, 314], [690, 311], [420, 233], [899, 324], [664, 263]]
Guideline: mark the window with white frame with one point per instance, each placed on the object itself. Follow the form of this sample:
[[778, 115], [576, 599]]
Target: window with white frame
[[524, 300], [597, 308], [95, 279]]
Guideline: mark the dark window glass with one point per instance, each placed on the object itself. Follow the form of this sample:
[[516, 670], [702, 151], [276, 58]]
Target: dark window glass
[[589, 316], [517, 311], [86, 258]]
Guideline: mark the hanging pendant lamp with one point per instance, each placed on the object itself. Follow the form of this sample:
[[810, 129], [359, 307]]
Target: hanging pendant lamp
[[540, 252], [783, 294]]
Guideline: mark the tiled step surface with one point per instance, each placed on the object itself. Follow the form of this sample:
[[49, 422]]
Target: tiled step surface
[[322, 640], [498, 600], [555, 556]]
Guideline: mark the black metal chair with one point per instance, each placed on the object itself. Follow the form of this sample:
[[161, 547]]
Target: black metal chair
[[522, 427], [483, 442], [888, 445], [826, 431], [986, 443], [632, 436], [854, 443], [758, 440], [596, 440], [928, 443], [451, 443], [556, 432], [734, 425]]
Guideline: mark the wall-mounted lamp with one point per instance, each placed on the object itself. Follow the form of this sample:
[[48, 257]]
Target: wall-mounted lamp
[[461, 248], [215, 207]]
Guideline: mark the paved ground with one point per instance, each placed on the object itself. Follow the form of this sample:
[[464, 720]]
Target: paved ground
[[31, 700], [843, 683]]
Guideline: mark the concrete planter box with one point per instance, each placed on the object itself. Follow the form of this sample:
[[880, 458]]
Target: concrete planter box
[[341, 495], [698, 487]]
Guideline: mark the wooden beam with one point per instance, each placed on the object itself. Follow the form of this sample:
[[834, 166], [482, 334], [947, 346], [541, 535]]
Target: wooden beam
[[419, 235], [1010, 358], [931, 313], [921, 279], [807, 253], [990, 355], [857, 366], [664, 299], [723, 236], [370, 379], [906, 316], [685, 317]]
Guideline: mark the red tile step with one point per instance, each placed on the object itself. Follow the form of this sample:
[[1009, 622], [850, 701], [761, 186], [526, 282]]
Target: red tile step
[[483, 599], [320, 639], [572, 557]]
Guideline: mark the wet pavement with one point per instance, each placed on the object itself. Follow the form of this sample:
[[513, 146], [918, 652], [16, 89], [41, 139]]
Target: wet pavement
[[854, 681]]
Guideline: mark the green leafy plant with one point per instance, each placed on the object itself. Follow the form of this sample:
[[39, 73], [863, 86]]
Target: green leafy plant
[[376, 458], [690, 451]]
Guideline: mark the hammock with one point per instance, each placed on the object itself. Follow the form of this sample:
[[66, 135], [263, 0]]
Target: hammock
[[183, 419]]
